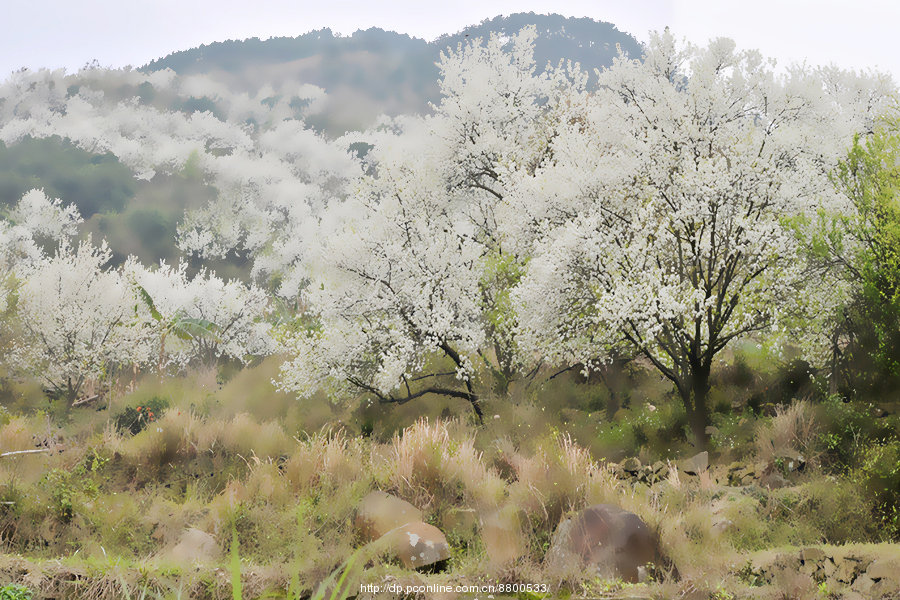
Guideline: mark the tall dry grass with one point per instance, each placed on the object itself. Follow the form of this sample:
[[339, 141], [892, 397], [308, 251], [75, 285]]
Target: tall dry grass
[[793, 430]]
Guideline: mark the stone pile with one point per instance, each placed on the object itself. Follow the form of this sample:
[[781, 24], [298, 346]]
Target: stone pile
[[631, 469], [855, 575]]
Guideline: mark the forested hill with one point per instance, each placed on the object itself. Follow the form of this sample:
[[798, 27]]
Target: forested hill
[[375, 71]]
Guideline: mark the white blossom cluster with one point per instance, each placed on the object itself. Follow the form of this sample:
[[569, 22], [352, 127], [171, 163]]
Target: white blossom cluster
[[203, 318]]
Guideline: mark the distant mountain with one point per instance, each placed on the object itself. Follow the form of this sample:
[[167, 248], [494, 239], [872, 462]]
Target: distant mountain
[[375, 71]]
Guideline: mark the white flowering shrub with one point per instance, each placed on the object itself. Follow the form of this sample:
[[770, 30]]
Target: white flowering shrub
[[202, 318], [79, 321]]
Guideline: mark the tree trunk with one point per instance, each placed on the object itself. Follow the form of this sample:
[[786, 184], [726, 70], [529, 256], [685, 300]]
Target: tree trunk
[[471, 395], [697, 412], [71, 394], [476, 406]]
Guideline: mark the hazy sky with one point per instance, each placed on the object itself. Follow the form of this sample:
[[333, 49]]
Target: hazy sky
[[69, 33]]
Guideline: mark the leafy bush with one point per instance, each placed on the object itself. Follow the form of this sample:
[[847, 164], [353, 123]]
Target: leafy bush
[[13, 591], [879, 476], [861, 443], [136, 419]]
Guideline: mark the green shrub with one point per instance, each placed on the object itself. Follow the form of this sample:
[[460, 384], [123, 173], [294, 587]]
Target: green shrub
[[13, 591], [135, 419], [879, 477], [58, 483]]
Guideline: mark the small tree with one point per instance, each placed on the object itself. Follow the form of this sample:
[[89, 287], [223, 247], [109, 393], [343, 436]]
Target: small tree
[[863, 246], [202, 318], [78, 320]]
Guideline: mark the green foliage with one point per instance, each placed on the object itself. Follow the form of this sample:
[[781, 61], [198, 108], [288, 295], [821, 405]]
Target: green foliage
[[862, 443], [13, 591], [60, 485], [661, 430], [235, 566], [95, 183], [135, 419], [870, 178], [879, 476], [502, 272]]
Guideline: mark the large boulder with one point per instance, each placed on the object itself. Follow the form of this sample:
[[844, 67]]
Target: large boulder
[[379, 513], [607, 537], [418, 544], [696, 464]]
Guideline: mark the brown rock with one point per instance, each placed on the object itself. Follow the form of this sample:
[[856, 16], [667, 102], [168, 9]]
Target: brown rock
[[774, 481], [883, 569], [378, 513], [863, 584], [696, 464], [615, 541], [631, 465], [813, 555], [846, 570], [418, 544], [501, 533], [884, 589], [828, 567], [195, 546]]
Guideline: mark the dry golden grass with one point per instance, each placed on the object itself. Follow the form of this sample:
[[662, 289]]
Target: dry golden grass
[[110, 505], [793, 430]]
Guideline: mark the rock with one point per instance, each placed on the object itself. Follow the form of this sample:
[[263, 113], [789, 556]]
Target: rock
[[863, 584], [828, 567], [883, 569], [418, 544], [379, 513], [884, 589], [846, 570], [501, 533], [195, 546], [774, 481], [696, 464], [812, 555], [711, 430], [615, 541], [631, 465]]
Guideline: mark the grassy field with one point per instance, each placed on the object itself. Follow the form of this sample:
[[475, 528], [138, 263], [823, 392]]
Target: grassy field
[[217, 486]]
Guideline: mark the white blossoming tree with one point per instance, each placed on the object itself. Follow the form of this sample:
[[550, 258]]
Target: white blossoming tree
[[394, 294], [200, 319], [78, 320], [669, 209], [36, 220], [413, 289]]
